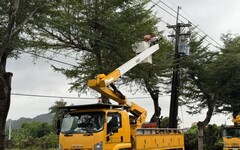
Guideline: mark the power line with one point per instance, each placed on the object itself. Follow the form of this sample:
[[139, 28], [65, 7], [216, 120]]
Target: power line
[[48, 96], [173, 10], [205, 34], [48, 58], [197, 26], [161, 20], [51, 59], [164, 22], [88, 35], [173, 15], [163, 9], [68, 97], [70, 56], [172, 3], [65, 55], [83, 34]]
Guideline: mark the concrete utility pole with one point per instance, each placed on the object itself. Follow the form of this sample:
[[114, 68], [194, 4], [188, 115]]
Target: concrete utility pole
[[175, 79]]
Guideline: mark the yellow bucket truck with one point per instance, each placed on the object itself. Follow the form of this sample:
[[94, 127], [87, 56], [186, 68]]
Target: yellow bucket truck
[[231, 135], [122, 126]]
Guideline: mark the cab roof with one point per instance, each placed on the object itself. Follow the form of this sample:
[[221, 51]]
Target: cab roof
[[232, 127], [93, 106]]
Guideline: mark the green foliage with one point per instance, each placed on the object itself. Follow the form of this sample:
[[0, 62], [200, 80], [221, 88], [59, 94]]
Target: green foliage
[[229, 102], [14, 16], [25, 12], [212, 138], [36, 129], [100, 32], [48, 141], [190, 138], [211, 78], [164, 122], [199, 74], [33, 135], [155, 74], [57, 113]]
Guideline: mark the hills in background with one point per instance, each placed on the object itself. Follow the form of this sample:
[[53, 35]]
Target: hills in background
[[15, 124]]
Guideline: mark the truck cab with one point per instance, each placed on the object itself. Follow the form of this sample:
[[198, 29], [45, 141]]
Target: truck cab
[[231, 138], [95, 126]]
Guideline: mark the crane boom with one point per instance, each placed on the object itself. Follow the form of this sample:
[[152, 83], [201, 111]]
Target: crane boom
[[105, 80], [137, 59], [102, 82]]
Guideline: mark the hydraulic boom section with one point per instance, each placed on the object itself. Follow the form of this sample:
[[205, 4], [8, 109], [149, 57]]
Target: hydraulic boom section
[[102, 81]]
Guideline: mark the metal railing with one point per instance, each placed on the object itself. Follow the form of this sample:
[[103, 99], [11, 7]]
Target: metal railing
[[144, 131]]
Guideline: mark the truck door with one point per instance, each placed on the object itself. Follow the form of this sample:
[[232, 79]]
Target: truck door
[[114, 129]]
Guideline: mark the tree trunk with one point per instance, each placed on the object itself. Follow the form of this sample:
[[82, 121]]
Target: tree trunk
[[157, 109], [5, 93], [200, 135], [154, 95], [203, 124]]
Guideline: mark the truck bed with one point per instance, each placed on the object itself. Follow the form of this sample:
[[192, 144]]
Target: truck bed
[[152, 138]]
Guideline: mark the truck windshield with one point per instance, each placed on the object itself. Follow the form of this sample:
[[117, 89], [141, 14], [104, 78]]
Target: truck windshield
[[231, 132], [89, 122]]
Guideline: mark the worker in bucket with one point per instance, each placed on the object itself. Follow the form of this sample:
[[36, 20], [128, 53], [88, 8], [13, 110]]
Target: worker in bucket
[[152, 39]]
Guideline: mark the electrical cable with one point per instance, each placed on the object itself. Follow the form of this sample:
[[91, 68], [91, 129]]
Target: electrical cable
[[72, 57], [85, 35], [173, 10], [65, 55], [188, 21], [92, 36], [88, 35], [68, 97], [48, 96], [48, 58], [197, 26], [163, 9]]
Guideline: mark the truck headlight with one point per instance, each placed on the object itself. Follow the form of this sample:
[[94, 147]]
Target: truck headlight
[[98, 146]]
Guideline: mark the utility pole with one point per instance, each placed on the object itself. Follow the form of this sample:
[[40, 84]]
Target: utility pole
[[175, 79]]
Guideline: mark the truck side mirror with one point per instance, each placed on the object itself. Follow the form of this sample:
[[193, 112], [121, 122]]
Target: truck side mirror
[[58, 126]]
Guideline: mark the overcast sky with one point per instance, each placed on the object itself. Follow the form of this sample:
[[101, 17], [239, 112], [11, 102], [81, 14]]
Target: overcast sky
[[214, 17]]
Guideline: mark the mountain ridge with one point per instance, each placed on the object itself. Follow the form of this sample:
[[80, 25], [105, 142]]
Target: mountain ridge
[[15, 124]]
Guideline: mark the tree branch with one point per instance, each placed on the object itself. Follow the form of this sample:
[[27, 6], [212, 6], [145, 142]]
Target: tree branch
[[10, 26], [199, 85], [11, 29], [20, 26], [211, 101], [71, 43]]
